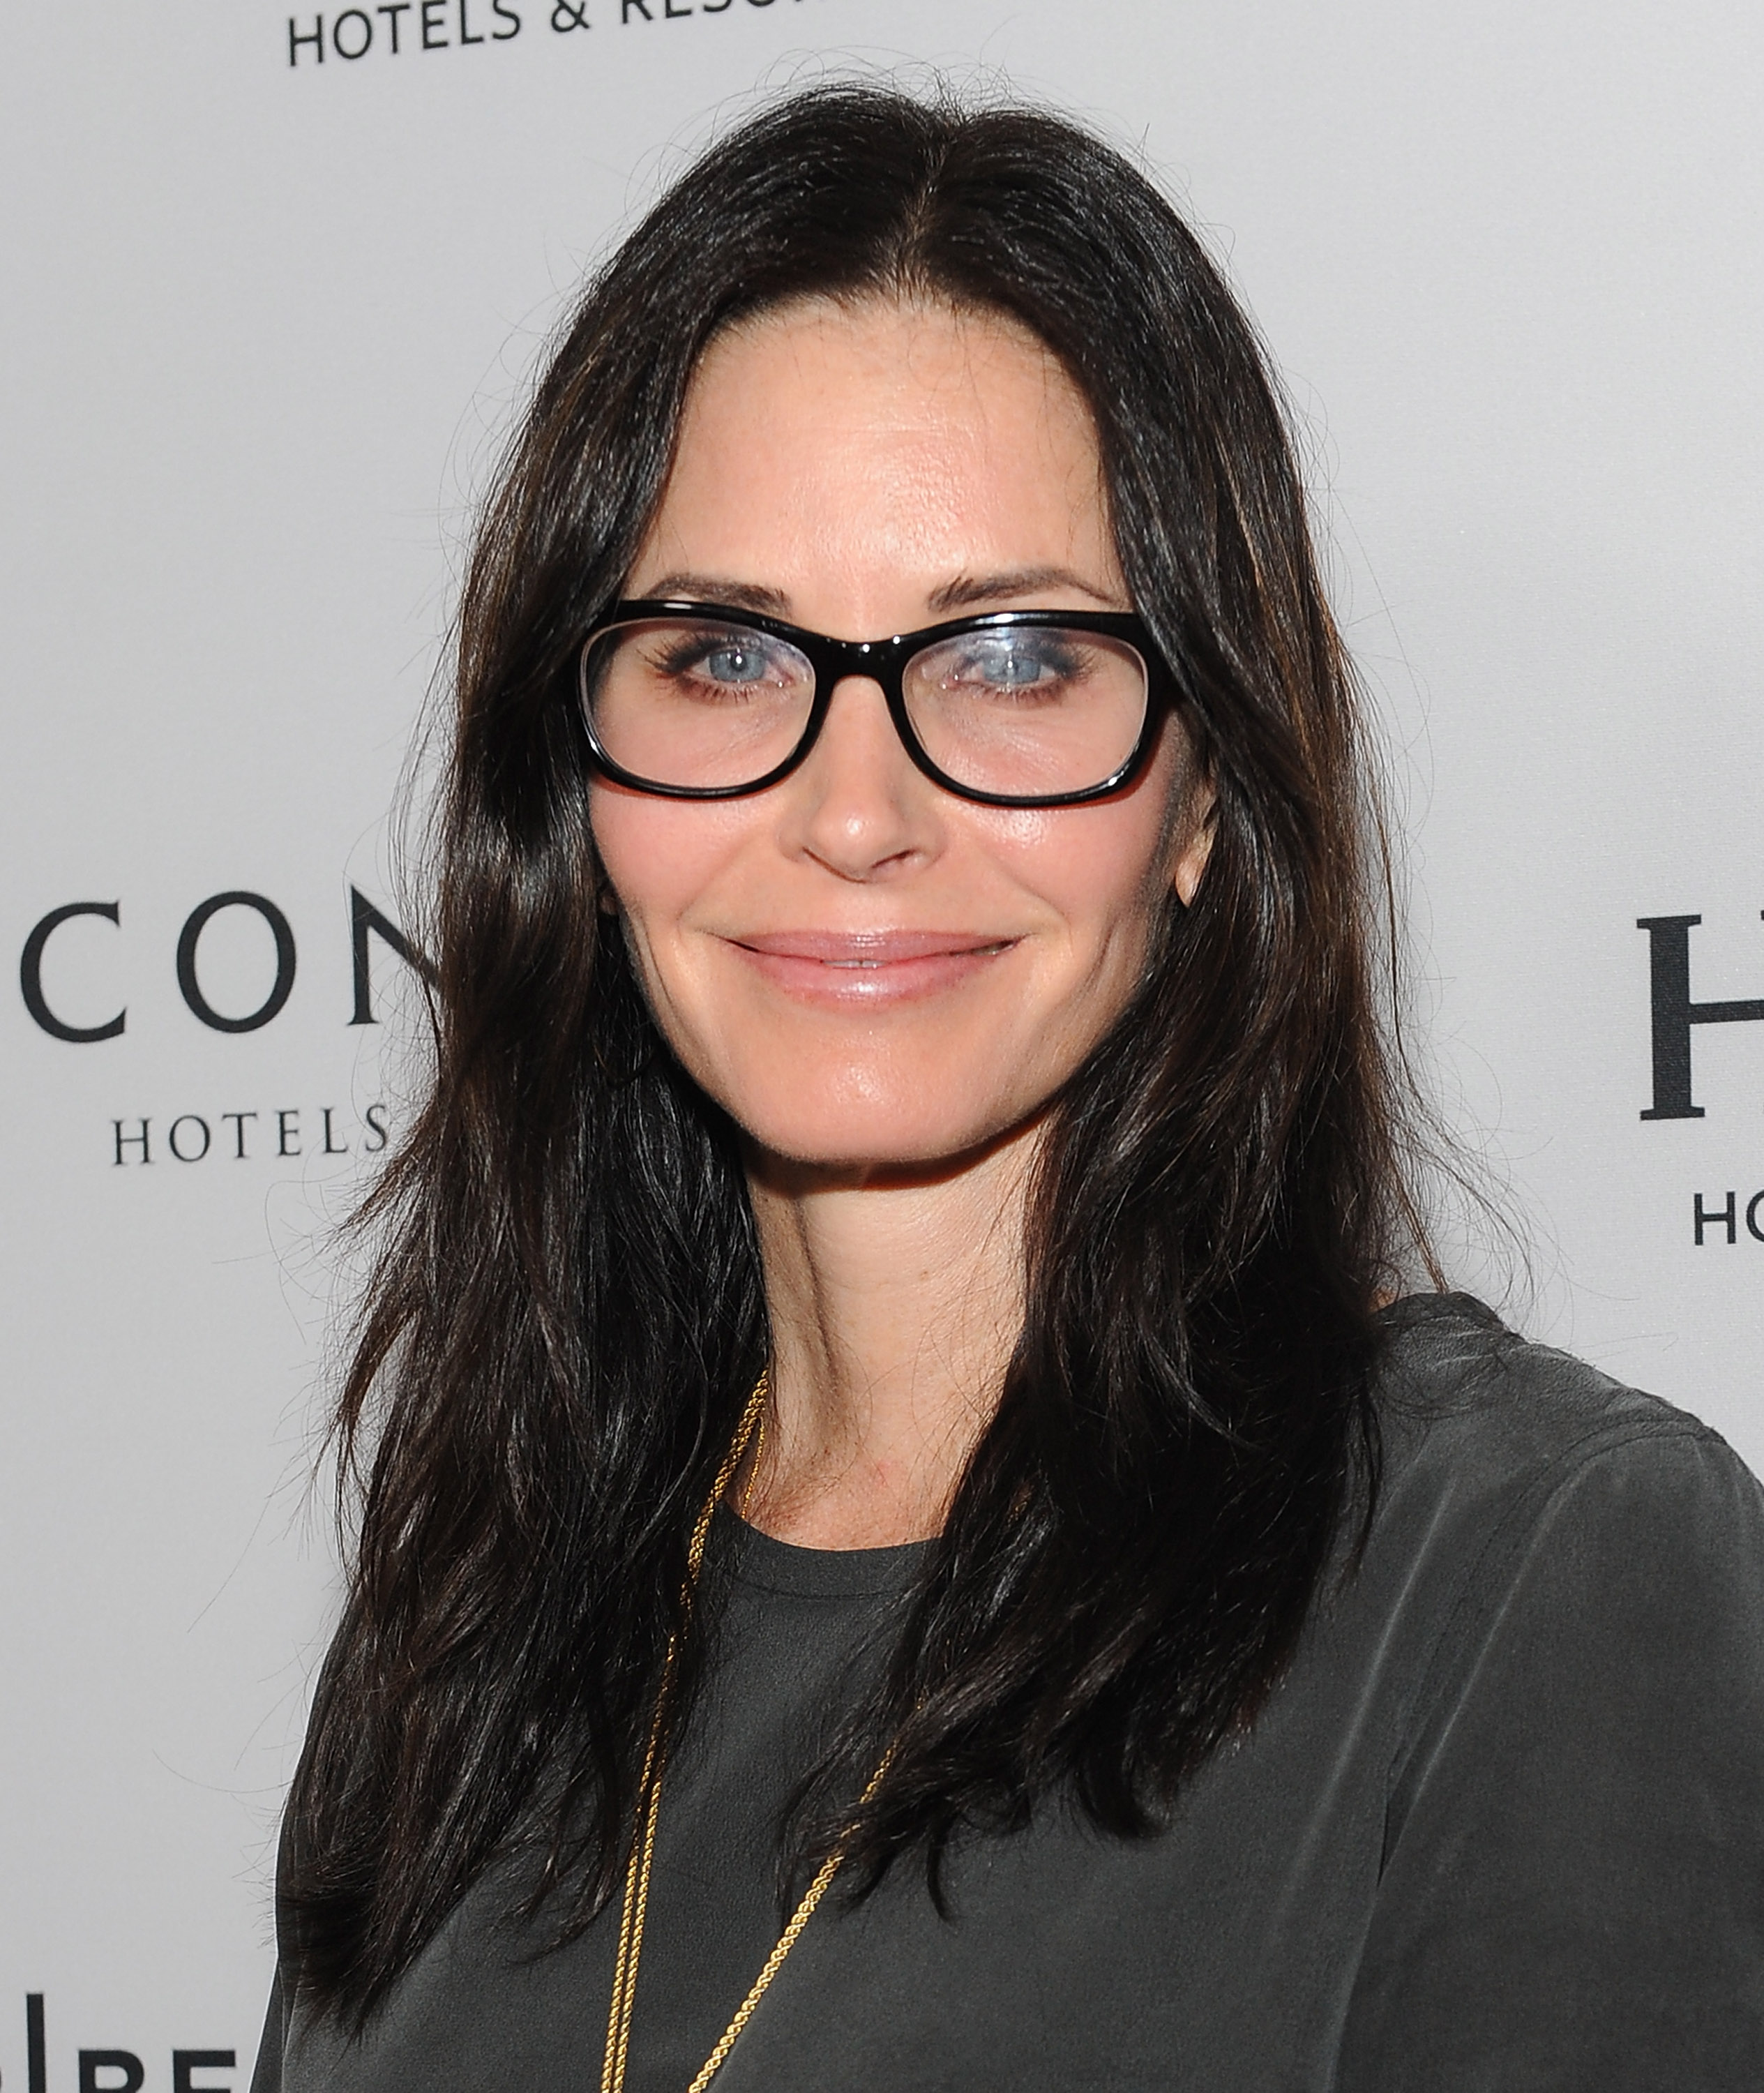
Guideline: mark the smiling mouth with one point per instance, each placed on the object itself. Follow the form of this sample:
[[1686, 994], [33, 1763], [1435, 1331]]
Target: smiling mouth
[[872, 965], [871, 948], [871, 969]]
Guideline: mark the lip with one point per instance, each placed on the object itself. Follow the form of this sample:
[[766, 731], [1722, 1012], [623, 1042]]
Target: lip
[[869, 969]]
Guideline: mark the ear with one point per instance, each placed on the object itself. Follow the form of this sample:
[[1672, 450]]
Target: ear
[[1196, 838]]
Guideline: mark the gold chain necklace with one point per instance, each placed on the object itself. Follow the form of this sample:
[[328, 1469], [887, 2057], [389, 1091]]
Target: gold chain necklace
[[636, 1874]]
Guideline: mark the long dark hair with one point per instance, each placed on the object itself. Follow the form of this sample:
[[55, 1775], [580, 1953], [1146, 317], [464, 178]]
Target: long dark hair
[[567, 1314]]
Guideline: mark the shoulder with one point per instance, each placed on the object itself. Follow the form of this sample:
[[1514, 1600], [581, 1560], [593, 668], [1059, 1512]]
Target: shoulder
[[1479, 1422], [1522, 1491], [1564, 1591]]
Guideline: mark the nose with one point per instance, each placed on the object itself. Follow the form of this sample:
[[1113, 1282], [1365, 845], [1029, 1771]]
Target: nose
[[859, 805]]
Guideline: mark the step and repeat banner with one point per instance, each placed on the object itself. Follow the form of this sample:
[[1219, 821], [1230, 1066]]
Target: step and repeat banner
[[275, 281]]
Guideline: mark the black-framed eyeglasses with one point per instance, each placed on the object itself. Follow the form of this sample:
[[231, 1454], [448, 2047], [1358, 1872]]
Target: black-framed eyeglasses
[[1012, 708]]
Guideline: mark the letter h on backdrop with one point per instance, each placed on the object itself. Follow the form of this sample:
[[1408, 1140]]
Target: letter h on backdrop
[[1675, 1014]]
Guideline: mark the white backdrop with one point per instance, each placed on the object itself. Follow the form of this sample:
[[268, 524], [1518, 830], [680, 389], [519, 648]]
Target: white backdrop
[[265, 323]]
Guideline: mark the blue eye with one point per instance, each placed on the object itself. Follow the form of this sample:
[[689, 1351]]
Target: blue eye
[[1016, 662], [734, 664], [734, 661], [728, 668]]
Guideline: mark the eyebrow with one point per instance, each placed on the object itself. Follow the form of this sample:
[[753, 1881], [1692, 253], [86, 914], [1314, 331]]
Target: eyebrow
[[961, 594], [967, 590], [682, 588]]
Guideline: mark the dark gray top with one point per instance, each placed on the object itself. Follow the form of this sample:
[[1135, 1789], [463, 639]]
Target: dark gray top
[[1502, 1827]]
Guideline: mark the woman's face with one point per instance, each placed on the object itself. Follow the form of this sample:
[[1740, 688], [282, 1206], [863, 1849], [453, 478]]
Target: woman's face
[[863, 970]]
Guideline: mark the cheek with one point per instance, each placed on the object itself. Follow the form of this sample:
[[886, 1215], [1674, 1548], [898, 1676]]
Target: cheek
[[657, 854], [659, 857], [1104, 871]]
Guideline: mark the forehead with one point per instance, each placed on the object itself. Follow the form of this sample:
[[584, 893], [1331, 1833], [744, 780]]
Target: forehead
[[881, 432], [925, 357]]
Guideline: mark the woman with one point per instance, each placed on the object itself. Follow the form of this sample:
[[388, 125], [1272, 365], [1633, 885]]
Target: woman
[[908, 1538]]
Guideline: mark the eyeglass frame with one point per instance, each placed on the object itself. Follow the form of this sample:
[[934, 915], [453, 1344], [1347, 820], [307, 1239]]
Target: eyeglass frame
[[883, 661]]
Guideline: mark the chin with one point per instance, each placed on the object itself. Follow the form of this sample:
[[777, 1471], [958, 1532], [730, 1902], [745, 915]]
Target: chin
[[910, 1139]]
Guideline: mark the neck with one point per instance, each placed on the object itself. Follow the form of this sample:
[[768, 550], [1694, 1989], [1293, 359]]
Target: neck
[[894, 1301]]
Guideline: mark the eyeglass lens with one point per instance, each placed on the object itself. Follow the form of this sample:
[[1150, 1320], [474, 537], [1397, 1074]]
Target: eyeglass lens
[[1023, 710]]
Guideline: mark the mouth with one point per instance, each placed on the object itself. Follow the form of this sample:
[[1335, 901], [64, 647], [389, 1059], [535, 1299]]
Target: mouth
[[871, 967], [979, 951]]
